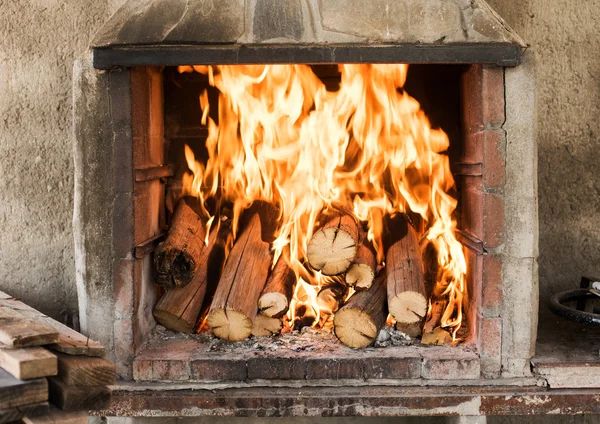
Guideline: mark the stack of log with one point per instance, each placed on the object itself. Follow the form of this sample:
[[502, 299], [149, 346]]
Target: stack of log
[[49, 372], [241, 293]]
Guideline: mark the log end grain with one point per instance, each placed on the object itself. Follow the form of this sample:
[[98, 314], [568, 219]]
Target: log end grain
[[360, 276], [332, 249], [229, 324], [264, 326], [408, 307], [273, 304], [413, 330], [354, 328]]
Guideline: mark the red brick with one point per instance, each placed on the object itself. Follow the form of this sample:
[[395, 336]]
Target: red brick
[[471, 204], [490, 349], [493, 220], [451, 369], [148, 197], [167, 370], [492, 285], [123, 336], [473, 149], [493, 158], [483, 94], [215, 369], [142, 370]]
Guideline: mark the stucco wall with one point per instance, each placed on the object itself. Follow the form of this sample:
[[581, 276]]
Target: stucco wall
[[564, 35], [39, 40]]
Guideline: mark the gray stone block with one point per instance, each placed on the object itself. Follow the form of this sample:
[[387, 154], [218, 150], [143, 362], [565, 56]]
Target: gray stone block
[[274, 19]]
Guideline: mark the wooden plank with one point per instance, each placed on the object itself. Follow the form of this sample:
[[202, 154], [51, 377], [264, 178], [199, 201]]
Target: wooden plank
[[15, 392], [85, 371], [56, 416], [69, 340], [19, 330], [74, 398], [21, 412], [28, 363]]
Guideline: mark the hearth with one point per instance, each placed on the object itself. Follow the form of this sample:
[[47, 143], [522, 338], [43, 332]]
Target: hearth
[[267, 133]]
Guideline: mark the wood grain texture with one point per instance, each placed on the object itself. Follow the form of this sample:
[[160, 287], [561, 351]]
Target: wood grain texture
[[15, 392], [85, 370], [358, 322], [69, 340], [361, 272], [275, 298], [28, 363], [17, 413], [234, 305], [179, 308], [407, 298], [19, 330], [178, 258], [56, 416], [333, 247], [78, 398]]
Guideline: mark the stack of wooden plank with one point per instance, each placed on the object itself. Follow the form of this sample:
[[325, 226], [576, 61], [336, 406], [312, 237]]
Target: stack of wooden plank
[[49, 372]]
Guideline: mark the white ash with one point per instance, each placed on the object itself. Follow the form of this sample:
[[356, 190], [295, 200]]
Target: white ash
[[389, 336]]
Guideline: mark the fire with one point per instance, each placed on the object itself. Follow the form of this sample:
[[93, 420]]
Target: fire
[[282, 137]]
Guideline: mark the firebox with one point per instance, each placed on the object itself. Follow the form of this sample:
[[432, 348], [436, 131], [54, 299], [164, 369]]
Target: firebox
[[307, 194]]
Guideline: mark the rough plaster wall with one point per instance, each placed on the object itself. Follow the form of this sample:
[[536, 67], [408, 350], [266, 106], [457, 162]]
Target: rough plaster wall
[[39, 40], [564, 35]]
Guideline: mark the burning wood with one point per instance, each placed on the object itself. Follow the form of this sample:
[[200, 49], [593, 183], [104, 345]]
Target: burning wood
[[177, 258], [361, 273], [264, 326], [407, 300], [332, 249], [275, 298], [234, 306], [179, 308], [357, 323]]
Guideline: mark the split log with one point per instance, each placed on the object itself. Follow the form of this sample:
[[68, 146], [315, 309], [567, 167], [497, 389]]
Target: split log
[[177, 259], [28, 363], [277, 294], [432, 331], [413, 330], [264, 326], [358, 322], [179, 308], [234, 306], [407, 298], [333, 247], [361, 273]]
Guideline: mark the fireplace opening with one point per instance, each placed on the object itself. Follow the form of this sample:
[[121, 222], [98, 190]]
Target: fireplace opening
[[212, 242]]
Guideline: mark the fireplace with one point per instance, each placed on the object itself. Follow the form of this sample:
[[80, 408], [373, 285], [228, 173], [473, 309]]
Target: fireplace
[[137, 108]]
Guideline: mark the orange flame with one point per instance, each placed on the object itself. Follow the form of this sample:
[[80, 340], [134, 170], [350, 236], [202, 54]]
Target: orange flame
[[282, 137]]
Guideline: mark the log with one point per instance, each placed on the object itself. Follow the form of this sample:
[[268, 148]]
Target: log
[[69, 340], [265, 326], [413, 330], [433, 334], [333, 247], [85, 371], [358, 322], [234, 305], [77, 398], [275, 298], [179, 308], [361, 272], [407, 298], [177, 259], [28, 363]]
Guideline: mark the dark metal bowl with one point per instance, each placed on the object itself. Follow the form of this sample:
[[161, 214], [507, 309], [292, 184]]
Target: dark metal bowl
[[556, 306]]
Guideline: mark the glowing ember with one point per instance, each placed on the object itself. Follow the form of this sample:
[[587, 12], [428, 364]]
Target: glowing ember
[[366, 149]]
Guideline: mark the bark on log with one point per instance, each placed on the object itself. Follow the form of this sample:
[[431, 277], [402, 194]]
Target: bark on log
[[333, 247], [361, 273], [179, 308], [234, 306], [264, 326], [275, 298], [407, 297], [358, 322], [176, 259]]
